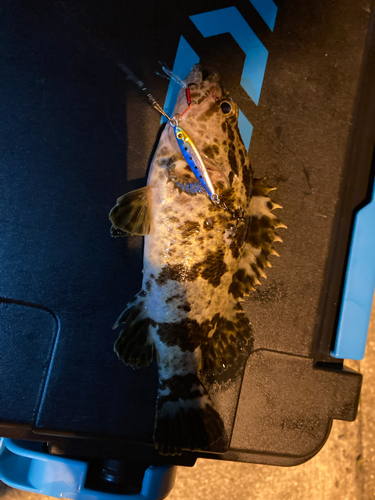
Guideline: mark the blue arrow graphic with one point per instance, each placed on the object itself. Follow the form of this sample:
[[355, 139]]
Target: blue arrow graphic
[[229, 20]]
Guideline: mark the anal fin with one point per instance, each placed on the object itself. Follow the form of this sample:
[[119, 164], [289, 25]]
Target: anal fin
[[233, 333], [134, 345], [131, 214]]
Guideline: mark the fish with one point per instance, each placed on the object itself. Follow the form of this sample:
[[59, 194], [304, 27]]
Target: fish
[[199, 264]]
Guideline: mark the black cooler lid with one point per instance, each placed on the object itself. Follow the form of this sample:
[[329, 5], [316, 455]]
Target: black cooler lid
[[76, 135]]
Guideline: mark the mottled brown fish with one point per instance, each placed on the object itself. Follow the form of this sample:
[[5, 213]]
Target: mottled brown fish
[[198, 264]]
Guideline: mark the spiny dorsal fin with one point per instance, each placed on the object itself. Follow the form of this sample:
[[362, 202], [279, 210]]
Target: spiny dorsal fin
[[258, 243], [131, 214]]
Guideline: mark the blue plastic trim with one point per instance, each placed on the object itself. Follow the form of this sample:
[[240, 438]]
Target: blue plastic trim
[[359, 288], [184, 61], [229, 20], [24, 466], [246, 129], [268, 10]]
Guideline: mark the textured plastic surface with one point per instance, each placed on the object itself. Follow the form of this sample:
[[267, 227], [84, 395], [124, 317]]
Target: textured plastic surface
[[359, 287], [25, 468]]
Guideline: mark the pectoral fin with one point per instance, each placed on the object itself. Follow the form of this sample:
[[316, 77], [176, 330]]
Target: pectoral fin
[[131, 214]]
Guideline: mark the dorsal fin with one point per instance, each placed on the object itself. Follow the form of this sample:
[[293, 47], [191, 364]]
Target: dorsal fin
[[131, 214], [259, 242]]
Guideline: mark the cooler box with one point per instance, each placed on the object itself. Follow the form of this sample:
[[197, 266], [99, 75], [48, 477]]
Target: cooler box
[[76, 135]]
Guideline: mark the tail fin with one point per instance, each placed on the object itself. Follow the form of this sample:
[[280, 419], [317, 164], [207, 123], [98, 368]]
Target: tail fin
[[134, 345], [185, 416]]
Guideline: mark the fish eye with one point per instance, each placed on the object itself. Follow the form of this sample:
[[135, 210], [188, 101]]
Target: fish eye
[[226, 107], [179, 135]]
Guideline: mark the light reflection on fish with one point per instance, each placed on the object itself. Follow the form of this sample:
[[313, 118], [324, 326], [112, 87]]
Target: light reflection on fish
[[198, 264]]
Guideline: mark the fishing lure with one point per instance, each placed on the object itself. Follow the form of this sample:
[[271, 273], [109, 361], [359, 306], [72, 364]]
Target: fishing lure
[[194, 160], [186, 144], [178, 80]]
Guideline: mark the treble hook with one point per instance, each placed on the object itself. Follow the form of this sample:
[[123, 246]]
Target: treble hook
[[178, 80], [171, 75], [238, 214]]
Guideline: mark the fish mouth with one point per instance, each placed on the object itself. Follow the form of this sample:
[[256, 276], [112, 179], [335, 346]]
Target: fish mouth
[[195, 76], [198, 74]]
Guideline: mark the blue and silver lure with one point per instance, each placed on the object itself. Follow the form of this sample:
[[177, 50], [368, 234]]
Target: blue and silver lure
[[194, 160], [186, 144]]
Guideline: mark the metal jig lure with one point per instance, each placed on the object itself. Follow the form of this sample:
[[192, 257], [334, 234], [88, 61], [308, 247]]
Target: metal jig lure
[[186, 144], [197, 166]]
